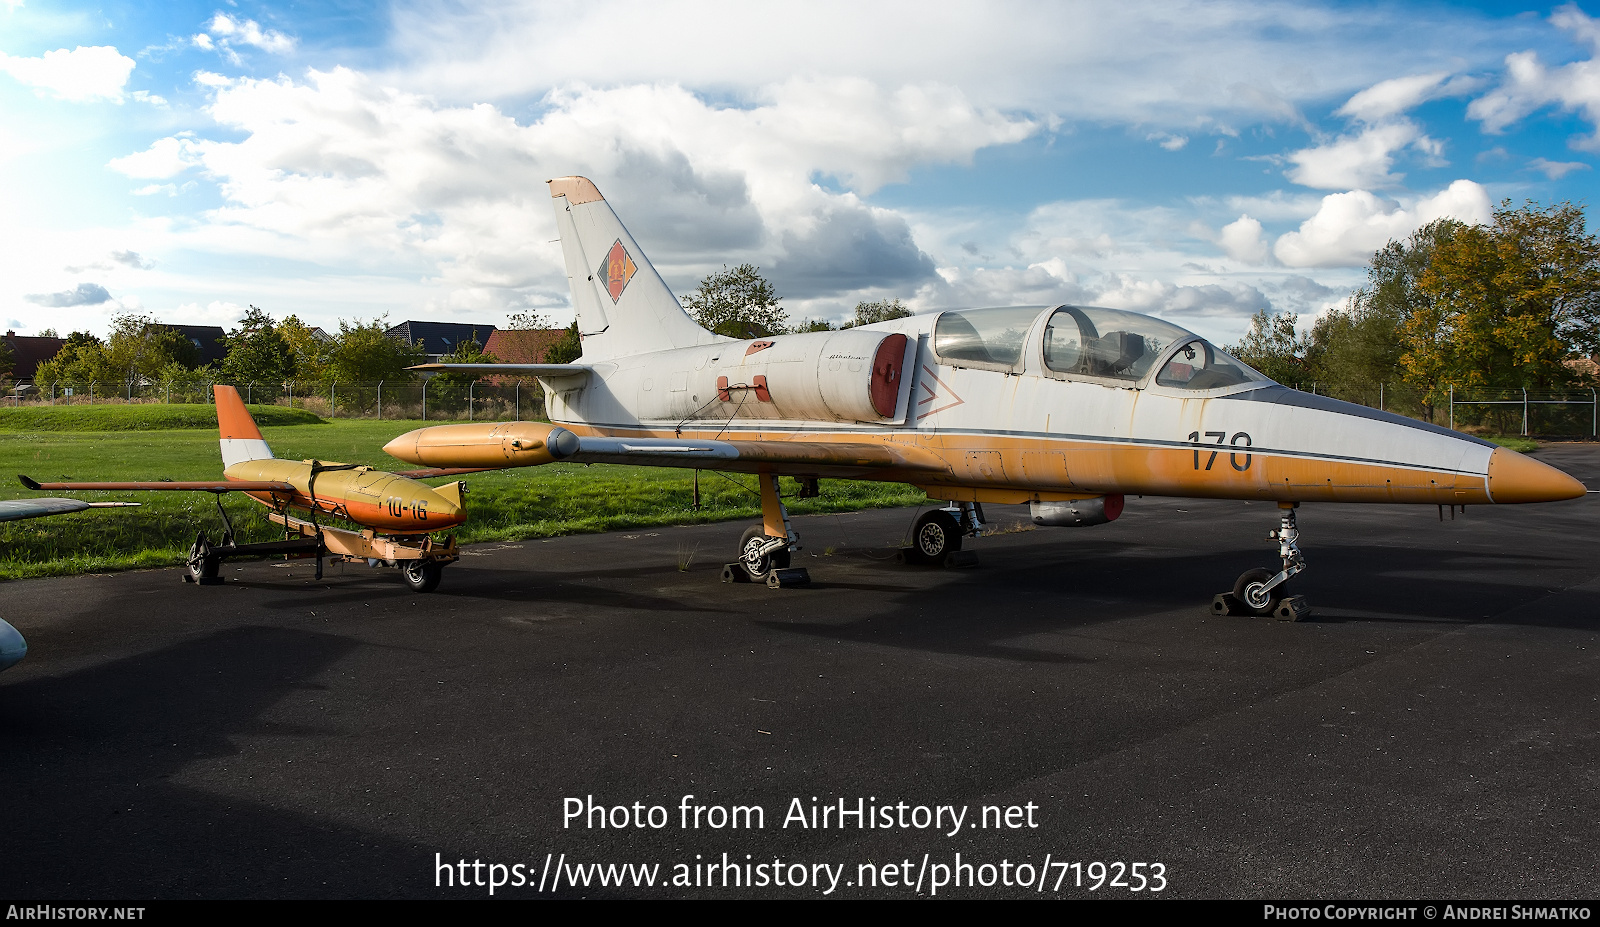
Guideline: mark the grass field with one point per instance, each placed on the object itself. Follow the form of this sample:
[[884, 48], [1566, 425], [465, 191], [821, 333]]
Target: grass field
[[514, 505], [137, 417]]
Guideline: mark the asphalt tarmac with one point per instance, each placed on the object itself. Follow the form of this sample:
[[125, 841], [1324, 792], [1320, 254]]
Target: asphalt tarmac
[[1430, 732]]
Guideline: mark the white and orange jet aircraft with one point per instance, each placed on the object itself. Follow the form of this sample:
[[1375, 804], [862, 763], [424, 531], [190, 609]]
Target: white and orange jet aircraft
[[1067, 408]]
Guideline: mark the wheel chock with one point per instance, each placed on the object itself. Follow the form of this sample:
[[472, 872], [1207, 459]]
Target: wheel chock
[[735, 573], [961, 560], [788, 578], [1226, 604], [1294, 608], [907, 555]]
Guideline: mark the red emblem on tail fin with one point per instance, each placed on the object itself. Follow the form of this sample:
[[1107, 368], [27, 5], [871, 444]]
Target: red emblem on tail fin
[[617, 270]]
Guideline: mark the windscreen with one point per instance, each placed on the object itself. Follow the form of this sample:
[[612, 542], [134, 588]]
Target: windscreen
[[1200, 365]]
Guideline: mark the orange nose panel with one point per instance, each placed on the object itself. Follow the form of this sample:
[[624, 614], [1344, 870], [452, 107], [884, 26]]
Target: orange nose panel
[[1515, 478]]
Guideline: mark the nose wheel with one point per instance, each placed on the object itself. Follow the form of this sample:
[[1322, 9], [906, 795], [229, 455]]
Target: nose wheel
[[1262, 591]]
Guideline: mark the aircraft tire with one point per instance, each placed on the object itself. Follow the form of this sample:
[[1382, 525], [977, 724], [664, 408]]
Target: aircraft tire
[[196, 565], [1242, 590], [421, 575], [759, 567], [935, 536]]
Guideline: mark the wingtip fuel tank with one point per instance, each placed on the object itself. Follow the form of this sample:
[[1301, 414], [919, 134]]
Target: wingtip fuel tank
[[1514, 477], [499, 444]]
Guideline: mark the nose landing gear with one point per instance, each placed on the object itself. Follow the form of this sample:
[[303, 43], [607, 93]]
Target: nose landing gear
[[1262, 592]]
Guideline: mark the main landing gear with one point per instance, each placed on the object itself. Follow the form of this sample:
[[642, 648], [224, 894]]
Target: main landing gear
[[764, 551], [1261, 591], [936, 536]]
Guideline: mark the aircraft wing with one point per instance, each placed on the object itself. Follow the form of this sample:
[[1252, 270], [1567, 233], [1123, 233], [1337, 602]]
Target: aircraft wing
[[531, 370], [18, 509], [218, 486]]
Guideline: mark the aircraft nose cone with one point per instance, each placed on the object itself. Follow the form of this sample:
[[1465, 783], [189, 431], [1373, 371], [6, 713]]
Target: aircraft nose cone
[[12, 647], [1516, 478]]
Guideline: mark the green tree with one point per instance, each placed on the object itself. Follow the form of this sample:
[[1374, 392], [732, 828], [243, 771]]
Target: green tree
[[1505, 305], [308, 346], [256, 352], [738, 303], [817, 325], [364, 354], [881, 311], [567, 349], [8, 361], [139, 347], [1274, 346], [81, 360]]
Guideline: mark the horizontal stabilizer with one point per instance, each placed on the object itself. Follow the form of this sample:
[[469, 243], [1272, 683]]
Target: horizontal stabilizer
[[18, 509], [527, 370], [169, 485]]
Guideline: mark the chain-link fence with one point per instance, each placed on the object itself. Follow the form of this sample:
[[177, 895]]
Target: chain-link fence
[[1560, 413], [427, 400]]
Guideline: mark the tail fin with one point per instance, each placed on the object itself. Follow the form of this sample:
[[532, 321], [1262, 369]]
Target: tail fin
[[623, 305], [241, 439]]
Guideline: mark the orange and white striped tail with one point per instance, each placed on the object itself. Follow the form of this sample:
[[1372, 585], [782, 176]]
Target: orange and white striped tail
[[241, 439]]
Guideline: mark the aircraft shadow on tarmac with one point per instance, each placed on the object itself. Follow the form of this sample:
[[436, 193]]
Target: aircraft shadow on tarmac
[[87, 757]]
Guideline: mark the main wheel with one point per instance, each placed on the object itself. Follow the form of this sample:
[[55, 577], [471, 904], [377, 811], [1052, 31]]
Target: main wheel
[[935, 536], [1251, 589], [421, 575], [757, 564]]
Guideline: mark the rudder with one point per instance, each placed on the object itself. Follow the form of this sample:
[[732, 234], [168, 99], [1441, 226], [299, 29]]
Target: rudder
[[240, 438]]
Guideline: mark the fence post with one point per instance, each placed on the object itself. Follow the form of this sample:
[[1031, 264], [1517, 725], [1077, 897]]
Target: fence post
[[1524, 411], [331, 385], [424, 399], [1380, 398], [380, 400], [250, 392], [519, 400], [469, 399], [91, 391], [1452, 407], [1594, 410], [53, 391]]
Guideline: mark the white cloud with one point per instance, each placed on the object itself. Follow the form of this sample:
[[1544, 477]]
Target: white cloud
[[341, 167], [1393, 97], [1528, 85], [1243, 241], [1178, 65], [1555, 170], [82, 75], [1351, 226], [224, 32], [1168, 141], [164, 158], [1360, 161]]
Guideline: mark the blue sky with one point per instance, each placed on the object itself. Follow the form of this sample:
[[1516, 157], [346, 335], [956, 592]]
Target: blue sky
[[359, 160]]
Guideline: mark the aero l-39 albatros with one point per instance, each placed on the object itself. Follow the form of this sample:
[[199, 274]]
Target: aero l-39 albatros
[[1067, 408]]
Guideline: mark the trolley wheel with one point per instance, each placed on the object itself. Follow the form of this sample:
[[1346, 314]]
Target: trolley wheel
[[422, 575]]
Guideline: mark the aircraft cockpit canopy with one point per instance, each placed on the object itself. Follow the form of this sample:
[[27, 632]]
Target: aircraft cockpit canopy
[[1090, 342]]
